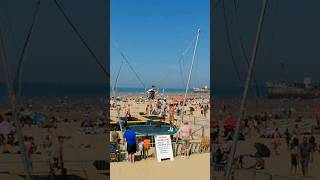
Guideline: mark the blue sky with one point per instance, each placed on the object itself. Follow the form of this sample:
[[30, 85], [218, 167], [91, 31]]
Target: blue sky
[[153, 34]]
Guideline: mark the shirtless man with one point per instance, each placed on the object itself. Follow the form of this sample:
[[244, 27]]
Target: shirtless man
[[185, 133], [57, 153]]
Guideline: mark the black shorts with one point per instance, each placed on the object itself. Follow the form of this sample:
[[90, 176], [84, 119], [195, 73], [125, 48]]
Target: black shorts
[[294, 160], [131, 148]]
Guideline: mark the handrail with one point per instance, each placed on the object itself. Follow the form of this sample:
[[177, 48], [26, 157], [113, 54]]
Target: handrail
[[195, 147]]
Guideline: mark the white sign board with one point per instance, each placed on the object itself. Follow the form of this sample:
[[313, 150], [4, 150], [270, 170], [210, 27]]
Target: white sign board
[[163, 147]]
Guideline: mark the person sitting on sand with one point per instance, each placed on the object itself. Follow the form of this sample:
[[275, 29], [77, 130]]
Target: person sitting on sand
[[130, 139], [10, 144], [185, 133]]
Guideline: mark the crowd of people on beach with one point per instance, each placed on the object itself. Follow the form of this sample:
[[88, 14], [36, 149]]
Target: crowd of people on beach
[[50, 119], [52, 144], [276, 126], [168, 111]]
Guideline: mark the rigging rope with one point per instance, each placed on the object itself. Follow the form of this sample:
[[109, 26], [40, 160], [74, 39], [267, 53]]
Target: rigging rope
[[130, 66], [229, 44], [216, 4], [17, 78], [242, 47], [82, 40], [181, 61], [115, 44], [273, 33], [180, 64], [8, 19], [25, 159], [116, 81]]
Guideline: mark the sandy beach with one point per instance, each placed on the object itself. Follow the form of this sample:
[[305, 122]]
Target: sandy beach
[[301, 114], [80, 149], [179, 168]]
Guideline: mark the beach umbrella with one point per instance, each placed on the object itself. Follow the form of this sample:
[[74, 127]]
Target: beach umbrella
[[37, 117], [177, 100], [262, 150], [230, 123]]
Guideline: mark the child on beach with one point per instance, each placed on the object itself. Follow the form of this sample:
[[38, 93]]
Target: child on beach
[[276, 141], [140, 147], [146, 147]]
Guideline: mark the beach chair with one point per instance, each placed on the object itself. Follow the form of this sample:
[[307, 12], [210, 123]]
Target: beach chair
[[114, 152], [204, 145]]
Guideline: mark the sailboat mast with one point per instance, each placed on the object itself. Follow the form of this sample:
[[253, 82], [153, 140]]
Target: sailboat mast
[[190, 71], [245, 92], [12, 98]]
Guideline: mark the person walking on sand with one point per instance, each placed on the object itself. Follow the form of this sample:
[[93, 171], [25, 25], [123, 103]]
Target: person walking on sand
[[313, 144], [305, 150], [130, 139], [276, 141], [185, 133], [57, 153], [294, 154]]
